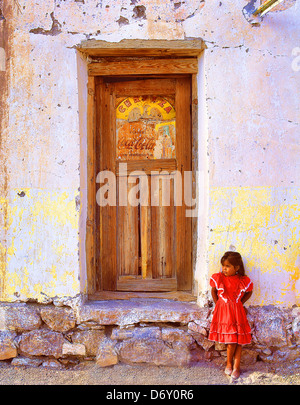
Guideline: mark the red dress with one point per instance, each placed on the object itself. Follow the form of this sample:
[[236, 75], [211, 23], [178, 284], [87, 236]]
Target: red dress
[[229, 323]]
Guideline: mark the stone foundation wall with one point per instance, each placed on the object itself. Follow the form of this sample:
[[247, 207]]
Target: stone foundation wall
[[164, 333]]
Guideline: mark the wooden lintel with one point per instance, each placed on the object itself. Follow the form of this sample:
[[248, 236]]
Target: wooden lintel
[[144, 67], [142, 48]]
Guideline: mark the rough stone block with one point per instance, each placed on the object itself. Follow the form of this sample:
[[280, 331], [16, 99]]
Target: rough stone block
[[19, 317], [176, 335], [90, 338], [41, 342], [154, 351], [53, 363], [248, 356], [269, 326], [135, 311], [26, 361], [194, 327], [296, 329], [150, 332], [8, 349], [73, 349], [59, 319], [202, 341], [282, 355], [107, 354]]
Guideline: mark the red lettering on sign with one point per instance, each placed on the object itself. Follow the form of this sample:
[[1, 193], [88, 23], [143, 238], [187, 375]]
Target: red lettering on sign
[[162, 103], [127, 103]]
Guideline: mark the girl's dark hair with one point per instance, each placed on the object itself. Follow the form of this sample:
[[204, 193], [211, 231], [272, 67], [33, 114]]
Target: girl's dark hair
[[235, 259]]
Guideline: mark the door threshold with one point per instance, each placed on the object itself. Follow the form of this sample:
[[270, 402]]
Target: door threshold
[[184, 296]]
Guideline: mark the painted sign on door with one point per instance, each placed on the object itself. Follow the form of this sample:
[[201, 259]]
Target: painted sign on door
[[146, 128]]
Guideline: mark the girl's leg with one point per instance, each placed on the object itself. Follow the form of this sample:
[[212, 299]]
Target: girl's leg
[[231, 347], [237, 360]]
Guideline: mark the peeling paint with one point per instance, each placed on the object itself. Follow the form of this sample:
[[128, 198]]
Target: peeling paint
[[37, 262], [265, 232], [55, 28], [139, 12]]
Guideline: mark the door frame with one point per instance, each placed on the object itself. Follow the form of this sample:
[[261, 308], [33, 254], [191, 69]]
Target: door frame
[[180, 61]]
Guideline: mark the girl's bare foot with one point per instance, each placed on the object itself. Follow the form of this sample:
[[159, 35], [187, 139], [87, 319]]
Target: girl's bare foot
[[235, 374], [228, 370]]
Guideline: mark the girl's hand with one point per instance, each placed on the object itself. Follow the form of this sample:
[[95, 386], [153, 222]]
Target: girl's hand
[[214, 294]]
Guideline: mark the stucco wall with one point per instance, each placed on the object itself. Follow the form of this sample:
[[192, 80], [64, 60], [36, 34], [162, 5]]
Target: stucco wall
[[248, 138]]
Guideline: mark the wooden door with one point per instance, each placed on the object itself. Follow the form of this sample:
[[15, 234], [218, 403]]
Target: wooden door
[[145, 141]]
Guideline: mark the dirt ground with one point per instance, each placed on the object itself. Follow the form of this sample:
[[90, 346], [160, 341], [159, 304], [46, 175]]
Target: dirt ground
[[202, 373]]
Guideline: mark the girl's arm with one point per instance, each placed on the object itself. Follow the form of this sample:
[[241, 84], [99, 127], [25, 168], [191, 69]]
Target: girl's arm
[[214, 294], [246, 296]]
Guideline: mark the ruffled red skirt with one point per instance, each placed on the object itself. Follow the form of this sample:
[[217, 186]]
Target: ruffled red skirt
[[229, 323]]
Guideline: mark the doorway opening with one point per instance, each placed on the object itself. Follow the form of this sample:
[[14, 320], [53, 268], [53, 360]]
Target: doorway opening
[[141, 131]]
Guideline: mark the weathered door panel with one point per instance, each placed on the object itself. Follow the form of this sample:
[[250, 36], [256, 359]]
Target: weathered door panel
[[145, 127]]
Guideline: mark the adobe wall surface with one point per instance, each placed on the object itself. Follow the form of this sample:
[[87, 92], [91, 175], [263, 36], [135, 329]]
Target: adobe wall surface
[[248, 139]]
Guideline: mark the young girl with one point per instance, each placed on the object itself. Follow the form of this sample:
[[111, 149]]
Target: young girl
[[230, 290]]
